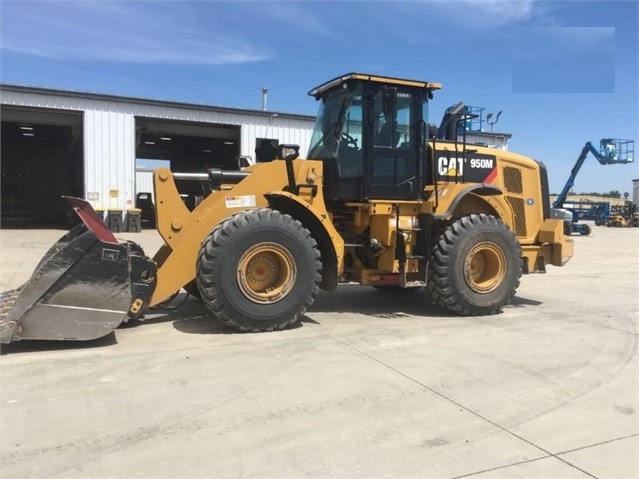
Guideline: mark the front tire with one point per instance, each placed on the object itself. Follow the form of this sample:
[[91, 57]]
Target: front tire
[[475, 266], [259, 270]]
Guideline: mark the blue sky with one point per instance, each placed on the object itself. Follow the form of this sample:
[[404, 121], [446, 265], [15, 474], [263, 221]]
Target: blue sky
[[563, 72]]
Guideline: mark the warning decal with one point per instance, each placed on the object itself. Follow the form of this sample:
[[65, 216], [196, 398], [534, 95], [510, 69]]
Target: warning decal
[[243, 201]]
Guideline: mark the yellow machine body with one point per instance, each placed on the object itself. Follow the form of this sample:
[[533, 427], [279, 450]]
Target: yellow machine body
[[514, 196]]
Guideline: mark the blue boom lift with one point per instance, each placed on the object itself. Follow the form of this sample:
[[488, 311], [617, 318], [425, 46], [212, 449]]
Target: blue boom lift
[[597, 211], [611, 151]]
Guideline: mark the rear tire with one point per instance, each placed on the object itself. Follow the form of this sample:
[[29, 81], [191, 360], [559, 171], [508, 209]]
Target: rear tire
[[475, 266], [586, 230], [259, 270]]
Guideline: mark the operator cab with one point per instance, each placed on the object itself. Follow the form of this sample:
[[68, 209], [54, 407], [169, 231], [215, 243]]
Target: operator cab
[[370, 133]]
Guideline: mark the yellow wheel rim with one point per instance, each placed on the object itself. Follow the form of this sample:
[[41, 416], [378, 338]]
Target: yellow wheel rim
[[266, 273], [485, 267]]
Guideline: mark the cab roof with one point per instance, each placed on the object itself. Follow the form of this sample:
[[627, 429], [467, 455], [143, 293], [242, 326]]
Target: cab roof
[[319, 90]]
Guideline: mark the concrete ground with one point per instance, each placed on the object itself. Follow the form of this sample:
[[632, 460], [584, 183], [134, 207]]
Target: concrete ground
[[368, 385]]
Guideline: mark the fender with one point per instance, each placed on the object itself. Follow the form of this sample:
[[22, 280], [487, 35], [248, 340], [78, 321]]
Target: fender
[[450, 197], [317, 221]]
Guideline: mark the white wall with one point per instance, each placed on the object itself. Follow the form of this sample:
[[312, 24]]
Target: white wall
[[144, 182]]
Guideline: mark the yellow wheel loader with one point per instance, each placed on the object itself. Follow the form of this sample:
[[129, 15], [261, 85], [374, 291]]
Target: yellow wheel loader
[[383, 199]]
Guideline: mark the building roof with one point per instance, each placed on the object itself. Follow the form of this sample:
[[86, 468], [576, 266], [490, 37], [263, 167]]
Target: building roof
[[145, 101]]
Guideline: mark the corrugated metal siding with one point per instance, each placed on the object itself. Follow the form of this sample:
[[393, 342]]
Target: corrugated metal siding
[[144, 182], [109, 136], [285, 130]]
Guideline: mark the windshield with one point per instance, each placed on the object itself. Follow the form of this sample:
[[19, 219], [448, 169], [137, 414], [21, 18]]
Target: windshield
[[327, 132]]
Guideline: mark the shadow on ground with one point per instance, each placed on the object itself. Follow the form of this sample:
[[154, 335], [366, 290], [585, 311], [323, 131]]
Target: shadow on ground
[[353, 298], [189, 315], [49, 345], [519, 302]]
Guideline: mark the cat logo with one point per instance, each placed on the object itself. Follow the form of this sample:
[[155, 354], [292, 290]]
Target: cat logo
[[451, 172], [480, 168], [450, 166]]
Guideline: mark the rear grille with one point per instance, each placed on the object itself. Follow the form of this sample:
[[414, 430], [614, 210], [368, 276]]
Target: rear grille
[[517, 204], [512, 180], [514, 186]]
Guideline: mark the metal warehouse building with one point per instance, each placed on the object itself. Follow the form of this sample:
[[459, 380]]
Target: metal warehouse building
[[57, 142]]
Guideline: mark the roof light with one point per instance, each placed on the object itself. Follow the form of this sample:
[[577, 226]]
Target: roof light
[[149, 142], [165, 138], [28, 134], [206, 151], [229, 143], [24, 127]]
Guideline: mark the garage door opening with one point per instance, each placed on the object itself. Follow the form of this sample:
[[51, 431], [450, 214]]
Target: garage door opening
[[185, 147], [42, 159]]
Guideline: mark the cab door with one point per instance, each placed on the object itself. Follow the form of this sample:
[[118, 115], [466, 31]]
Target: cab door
[[393, 169]]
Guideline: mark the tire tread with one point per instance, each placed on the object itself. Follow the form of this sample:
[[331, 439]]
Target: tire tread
[[440, 273], [211, 253]]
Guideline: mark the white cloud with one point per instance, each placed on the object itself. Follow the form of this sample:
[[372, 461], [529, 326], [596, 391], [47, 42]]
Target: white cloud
[[135, 32]]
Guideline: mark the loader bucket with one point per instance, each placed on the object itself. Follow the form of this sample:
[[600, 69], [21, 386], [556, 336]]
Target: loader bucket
[[85, 286]]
